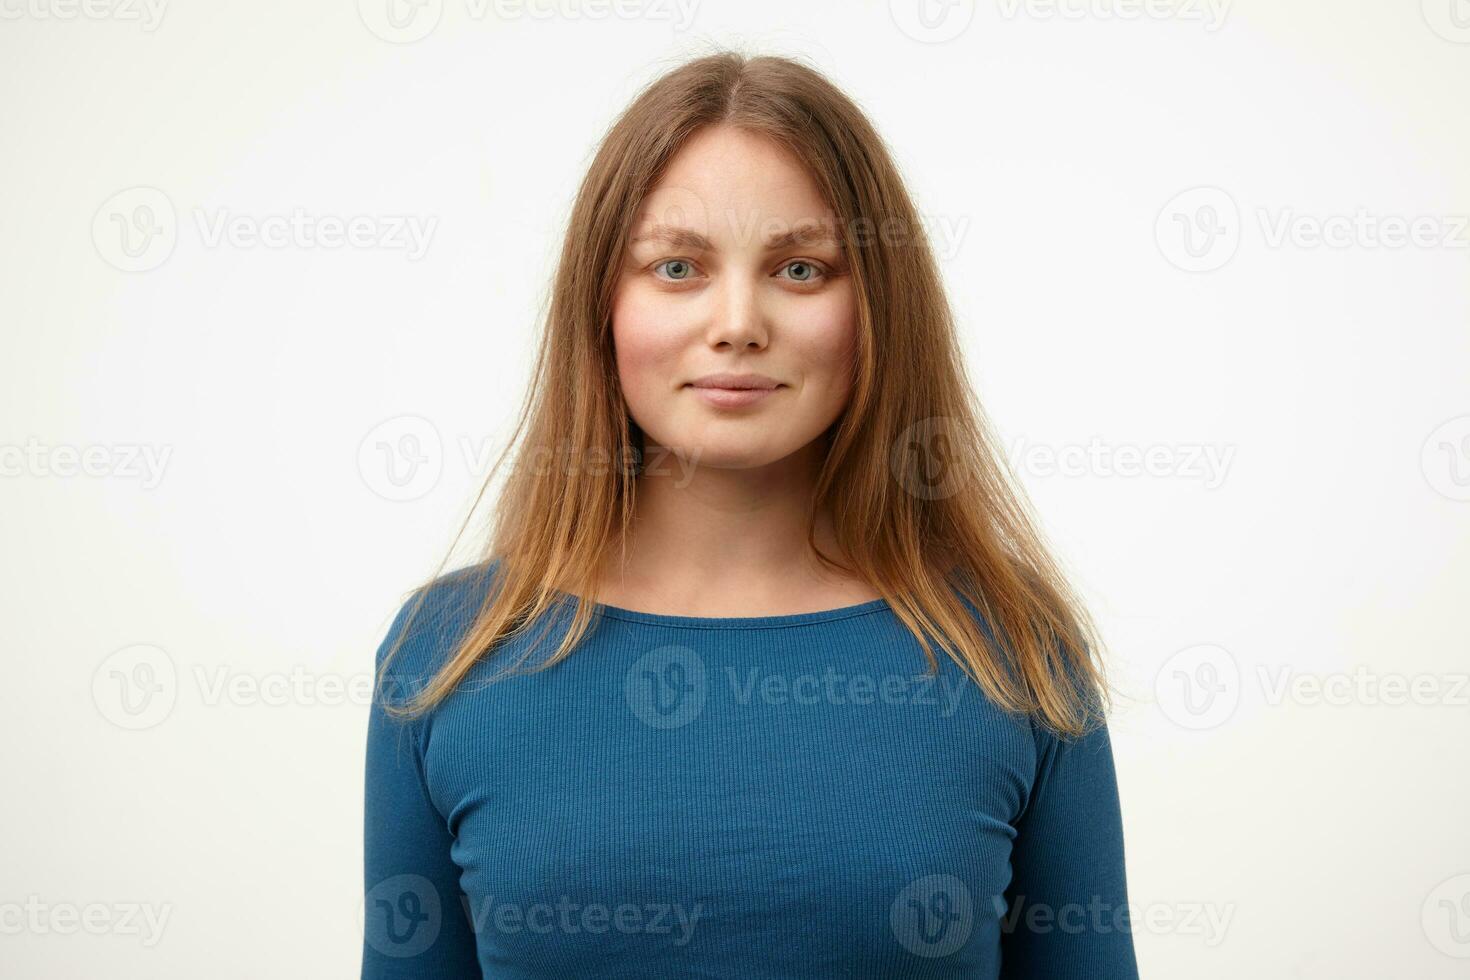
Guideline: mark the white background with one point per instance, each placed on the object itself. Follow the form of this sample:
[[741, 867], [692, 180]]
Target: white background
[[1047, 145]]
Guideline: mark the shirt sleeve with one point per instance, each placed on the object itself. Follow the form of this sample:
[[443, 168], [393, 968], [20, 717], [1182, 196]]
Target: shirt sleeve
[[414, 921], [1067, 915]]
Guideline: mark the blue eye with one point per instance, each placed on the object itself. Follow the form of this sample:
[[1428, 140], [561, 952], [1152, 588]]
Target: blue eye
[[810, 268], [685, 268]]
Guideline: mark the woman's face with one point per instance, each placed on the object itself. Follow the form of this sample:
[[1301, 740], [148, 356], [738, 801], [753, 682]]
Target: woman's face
[[733, 268]]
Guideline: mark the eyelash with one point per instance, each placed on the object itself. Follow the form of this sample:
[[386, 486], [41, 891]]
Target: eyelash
[[823, 271]]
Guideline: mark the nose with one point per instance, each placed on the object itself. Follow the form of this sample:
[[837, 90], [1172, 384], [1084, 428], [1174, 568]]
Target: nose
[[738, 319]]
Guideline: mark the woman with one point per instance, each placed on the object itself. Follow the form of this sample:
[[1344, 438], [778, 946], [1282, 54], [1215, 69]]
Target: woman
[[684, 719]]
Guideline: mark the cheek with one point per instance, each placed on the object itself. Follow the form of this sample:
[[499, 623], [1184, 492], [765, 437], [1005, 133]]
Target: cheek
[[646, 338], [827, 341]]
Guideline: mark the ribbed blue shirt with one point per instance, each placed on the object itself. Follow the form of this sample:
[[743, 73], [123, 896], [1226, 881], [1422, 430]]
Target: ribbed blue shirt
[[787, 796]]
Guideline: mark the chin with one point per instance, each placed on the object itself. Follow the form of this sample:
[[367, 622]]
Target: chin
[[735, 454]]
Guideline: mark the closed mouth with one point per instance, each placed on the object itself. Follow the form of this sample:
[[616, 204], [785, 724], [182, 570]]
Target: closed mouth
[[736, 383]]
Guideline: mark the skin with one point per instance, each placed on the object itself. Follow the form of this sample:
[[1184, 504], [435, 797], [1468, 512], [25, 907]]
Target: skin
[[720, 523]]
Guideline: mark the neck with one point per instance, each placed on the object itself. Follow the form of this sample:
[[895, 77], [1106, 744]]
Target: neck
[[705, 537]]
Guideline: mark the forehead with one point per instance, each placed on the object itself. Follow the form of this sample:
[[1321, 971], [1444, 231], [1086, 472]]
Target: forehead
[[725, 181]]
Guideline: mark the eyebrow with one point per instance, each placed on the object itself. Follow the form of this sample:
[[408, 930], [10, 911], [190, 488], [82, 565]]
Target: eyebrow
[[805, 234]]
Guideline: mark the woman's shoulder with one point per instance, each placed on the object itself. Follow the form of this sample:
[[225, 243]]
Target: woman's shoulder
[[433, 619]]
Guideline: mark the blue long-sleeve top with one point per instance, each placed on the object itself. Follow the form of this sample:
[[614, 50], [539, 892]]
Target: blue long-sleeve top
[[787, 796]]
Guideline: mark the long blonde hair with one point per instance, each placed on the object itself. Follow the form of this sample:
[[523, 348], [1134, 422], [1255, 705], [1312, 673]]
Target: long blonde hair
[[920, 496]]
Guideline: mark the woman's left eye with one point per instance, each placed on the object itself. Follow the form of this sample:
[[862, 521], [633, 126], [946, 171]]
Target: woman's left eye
[[808, 271]]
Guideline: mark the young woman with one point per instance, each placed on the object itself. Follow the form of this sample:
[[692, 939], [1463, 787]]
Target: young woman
[[684, 719]]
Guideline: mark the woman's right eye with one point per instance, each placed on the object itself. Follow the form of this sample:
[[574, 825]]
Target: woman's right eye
[[679, 269]]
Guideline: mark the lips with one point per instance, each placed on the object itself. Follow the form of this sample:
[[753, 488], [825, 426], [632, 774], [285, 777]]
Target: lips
[[734, 390], [736, 382]]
